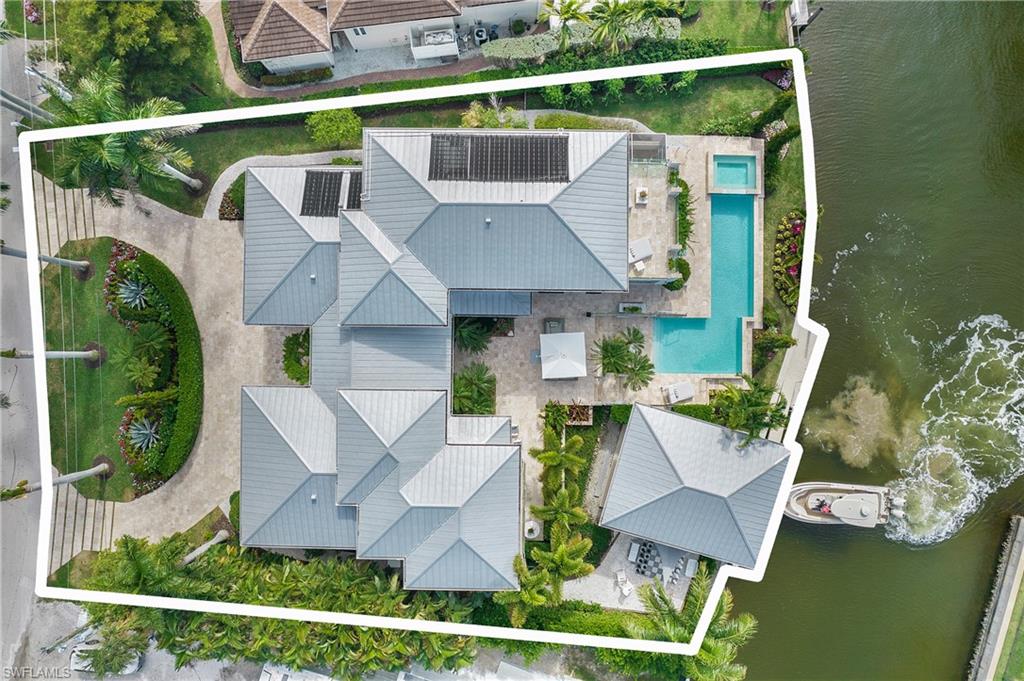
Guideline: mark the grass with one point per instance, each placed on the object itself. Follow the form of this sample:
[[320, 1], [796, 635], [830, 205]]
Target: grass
[[207, 526], [1011, 661], [83, 417], [16, 20], [682, 114], [747, 27], [75, 572], [438, 116]]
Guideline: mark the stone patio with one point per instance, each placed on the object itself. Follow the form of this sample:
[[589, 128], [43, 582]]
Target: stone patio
[[600, 586]]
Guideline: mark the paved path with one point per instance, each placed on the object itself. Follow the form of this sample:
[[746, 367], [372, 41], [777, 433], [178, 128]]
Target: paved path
[[211, 9], [794, 366], [210, 212], [206, 257]]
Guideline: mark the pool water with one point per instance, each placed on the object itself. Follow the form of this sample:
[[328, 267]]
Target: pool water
[[714, 345], [735, 172]]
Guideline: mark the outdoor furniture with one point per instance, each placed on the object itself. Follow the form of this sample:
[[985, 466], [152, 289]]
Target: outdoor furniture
[[634, 550], [691, 568], [563, 355], [514, 432], [639, 266], [666, 575], [640, 249], [641, 195], [554, 325], [679, 392], [620, 578]]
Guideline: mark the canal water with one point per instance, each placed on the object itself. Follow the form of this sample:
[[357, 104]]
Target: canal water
[[918, 113]]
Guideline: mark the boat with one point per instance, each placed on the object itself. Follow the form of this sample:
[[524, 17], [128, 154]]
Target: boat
[[833, 503]]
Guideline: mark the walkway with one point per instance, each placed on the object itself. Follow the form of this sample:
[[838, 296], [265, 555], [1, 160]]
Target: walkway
[[205, 255], [235, 83], [791, 374], [211, 211]]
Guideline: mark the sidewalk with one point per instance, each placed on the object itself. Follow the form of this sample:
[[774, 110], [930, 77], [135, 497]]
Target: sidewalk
[[791, 374]]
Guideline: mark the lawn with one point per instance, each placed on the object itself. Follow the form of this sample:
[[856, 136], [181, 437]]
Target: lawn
[[83, 417], [1011, 661], [16, 20], [682, 114], [747, 27], [72, 575]]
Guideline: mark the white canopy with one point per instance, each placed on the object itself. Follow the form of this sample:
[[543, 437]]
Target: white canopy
[[563, 355]]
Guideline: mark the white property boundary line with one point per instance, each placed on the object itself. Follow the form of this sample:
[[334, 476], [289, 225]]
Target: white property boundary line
[[817, 332]]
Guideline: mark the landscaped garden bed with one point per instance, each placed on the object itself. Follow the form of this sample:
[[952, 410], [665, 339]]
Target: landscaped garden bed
[[146, 400]]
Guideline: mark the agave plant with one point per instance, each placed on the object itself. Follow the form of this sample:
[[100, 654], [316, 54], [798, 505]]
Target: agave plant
[[142, 433], [133, 294]]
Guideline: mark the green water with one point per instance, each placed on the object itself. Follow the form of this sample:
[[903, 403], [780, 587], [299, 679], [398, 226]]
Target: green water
[[918, 113]]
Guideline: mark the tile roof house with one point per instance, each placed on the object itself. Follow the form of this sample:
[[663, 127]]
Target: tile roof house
[[294, 35], [686, 483], [376, 260]]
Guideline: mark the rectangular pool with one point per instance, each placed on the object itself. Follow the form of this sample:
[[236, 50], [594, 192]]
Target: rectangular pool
[[714, 345], [735, 172]]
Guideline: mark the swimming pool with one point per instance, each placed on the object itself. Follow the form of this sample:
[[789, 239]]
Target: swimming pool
[[714, 345], [735, 172]]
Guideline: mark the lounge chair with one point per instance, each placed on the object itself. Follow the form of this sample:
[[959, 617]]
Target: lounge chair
[[627, 588], [679, 392]]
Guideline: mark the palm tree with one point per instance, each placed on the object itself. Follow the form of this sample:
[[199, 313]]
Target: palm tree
[[751, 410], [565, 11], [715, 659], [109, 164], [6, 32], [533, 592], [565, 561], [634, 338], [651, 11], [473, 390], [25, 487], [613, 20], [562, 512], [639, 371], [558, 458]]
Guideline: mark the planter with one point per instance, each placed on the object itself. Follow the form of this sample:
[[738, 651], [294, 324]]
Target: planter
[[632, 308]]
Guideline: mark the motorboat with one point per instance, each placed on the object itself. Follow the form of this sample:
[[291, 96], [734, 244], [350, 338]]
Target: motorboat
[[833, 503]]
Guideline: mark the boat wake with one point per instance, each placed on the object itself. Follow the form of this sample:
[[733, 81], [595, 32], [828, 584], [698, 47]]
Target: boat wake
[[961, 442]]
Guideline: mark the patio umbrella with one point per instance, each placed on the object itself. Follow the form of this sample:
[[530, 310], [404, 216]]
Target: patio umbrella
[[563, 355]]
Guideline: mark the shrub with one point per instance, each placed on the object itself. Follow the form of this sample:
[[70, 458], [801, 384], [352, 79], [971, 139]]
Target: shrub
[[704, 412], [471, 335], [518, 27], [553, 96], [684, 209], [148, 400], [690, 9], [338, 128], [491, 115], [190, 363], [580, 95], [770, 316], [681, 266], [789, 247], [233, 511], [674, 285], [738, 125], [232, 205], [650, 86], [613, 90], [237, 192], [345, 161], [766, 346], [775, 111], [296, 357], [556, 415], [575, 121], [621, 412], [296, 77], [251, 72], [772, 155], [684, 82]]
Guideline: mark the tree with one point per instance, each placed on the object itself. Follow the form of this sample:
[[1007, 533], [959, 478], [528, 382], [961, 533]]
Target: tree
[[6, 32], [639, 371], [470, 335], [162, 45], [558, 458], [752, 410], [473, 390], [534, 591], [107, 165], [565, 561], [337, 128], [562, 512], [25, 487], [613, 20], [565, 11], [493, 115]]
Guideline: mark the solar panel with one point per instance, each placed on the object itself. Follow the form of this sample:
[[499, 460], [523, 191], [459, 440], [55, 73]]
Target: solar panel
[[355, 189], [321, 193], [499, 158]]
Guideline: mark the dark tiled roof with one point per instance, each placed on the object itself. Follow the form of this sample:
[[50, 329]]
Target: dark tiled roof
[[478, 3], [353, 13], [283, 28]]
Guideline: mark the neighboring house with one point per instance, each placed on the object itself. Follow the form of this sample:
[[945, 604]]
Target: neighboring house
[[293, 35], [686, 483]]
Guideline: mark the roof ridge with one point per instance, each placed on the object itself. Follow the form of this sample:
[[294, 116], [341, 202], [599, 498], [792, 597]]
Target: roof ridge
[[664, 450], [284, 501], [412, 289], [483, 483], [287, 440], [410, 508], [295, 218], [291, 8], [459, 540], [739, 530]]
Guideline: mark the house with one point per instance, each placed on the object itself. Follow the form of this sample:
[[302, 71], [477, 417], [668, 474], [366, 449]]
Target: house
[[688, 484], [376, 260], [295, 35]]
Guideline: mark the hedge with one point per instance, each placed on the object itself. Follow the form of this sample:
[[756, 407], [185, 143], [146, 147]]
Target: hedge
[[534, 47], [621, 413], [704, 412], [190, 363], [296, 77], [576, 121]]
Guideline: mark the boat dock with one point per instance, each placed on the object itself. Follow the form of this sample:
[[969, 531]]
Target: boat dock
[[1002, 621]]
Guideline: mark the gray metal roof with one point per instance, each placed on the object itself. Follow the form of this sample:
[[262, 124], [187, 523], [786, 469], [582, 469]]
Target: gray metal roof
[[505, 235], [479, 430], [287, 475], [290, 262], [381, 285], [490, 303], [687, 483]]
